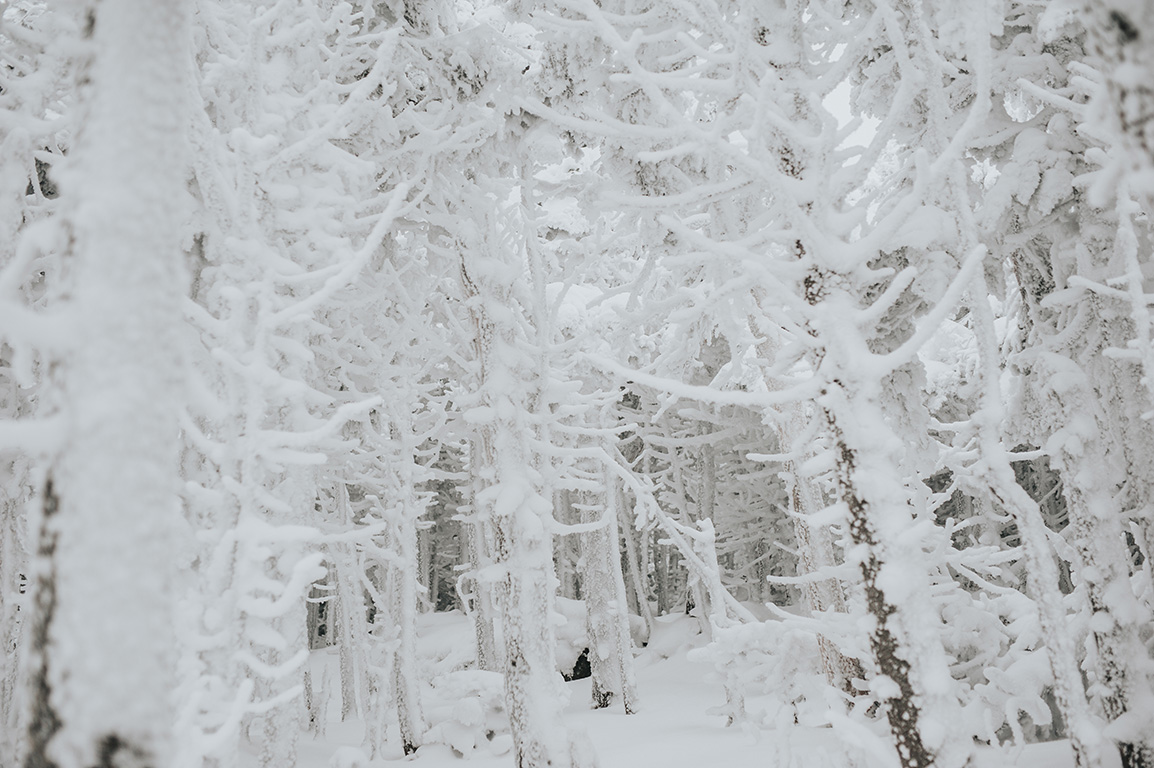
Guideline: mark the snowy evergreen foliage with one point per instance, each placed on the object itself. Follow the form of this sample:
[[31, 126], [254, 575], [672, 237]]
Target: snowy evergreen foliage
[[815, 333]]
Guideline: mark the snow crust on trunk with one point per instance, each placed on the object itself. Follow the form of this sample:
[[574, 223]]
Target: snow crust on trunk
[[111, 501]]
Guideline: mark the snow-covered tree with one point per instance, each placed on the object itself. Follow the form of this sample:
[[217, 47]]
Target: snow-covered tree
[[820, 329]]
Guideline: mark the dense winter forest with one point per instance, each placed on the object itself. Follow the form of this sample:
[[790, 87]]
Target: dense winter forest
[[391, 362]]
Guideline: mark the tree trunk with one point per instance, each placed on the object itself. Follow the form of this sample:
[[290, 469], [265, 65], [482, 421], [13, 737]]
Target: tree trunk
[[106, 556], [484, 611], [570, 579], [607, 622], [904, 648], [632, 554], [347, 625], [404, 590], [13, 608], [511, 501]]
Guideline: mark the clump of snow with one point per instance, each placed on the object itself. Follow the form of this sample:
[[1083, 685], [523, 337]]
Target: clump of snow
[[950, 360], [466, 712], [446, 646], [777, 666], [672, 634], [348, 757], [569, 632]]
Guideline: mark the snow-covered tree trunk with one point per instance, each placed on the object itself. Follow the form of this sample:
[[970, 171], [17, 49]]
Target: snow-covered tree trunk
[[404, 589], [607, 618], [632, 553], [512, 500], [620, 606], [485, 611], [14, 562], [406, 668], [346, 572], [888, 638], [705, 596], [278, 627], [104, 632], [37, 108], [566, 553]]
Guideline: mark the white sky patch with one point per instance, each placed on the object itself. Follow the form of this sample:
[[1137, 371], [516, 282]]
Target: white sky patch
[[838, 104]]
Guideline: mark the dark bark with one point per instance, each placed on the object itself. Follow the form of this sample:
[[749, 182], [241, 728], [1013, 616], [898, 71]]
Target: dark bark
[[44, 722], [902, 711], [116, 752]]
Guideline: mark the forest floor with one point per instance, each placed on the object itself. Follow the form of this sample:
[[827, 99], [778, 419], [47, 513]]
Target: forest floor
[[672, 729]]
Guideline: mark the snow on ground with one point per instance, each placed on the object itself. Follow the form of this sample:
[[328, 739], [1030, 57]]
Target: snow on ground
[[672, 730]]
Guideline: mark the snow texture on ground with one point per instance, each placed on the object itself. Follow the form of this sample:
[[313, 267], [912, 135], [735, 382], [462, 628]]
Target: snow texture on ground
[[672, 730]]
